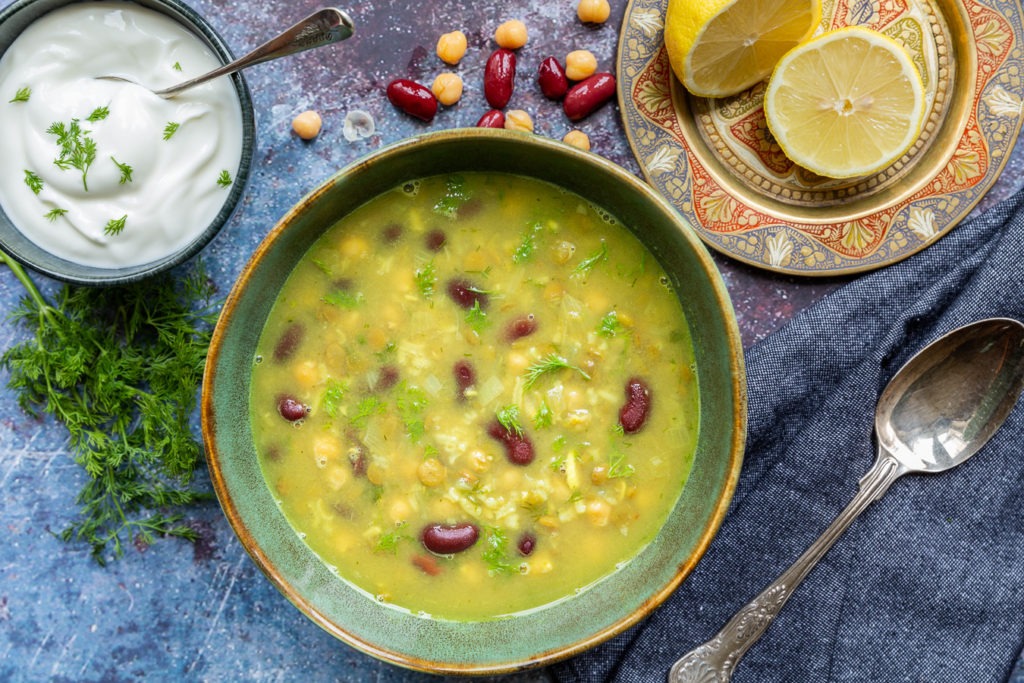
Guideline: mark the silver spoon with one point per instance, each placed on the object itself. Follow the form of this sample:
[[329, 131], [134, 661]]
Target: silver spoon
[[936, 412], [323, 27]]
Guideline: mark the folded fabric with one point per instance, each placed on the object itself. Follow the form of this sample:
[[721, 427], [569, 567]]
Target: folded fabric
[[928, 584]]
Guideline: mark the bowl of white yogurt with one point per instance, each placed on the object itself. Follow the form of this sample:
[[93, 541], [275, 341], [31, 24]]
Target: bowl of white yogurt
[[101, 181]]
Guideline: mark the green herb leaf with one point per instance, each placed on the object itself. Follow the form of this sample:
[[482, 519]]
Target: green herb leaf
[[53, 214], [176, 66], [584, 267], [508, 417], [98, 114], [426, 279], [126, 171], [455, 196], [343, 299], [543, 417], [618, 466], [412, 402], [549, 364], [22, 95], [115, 225], [477, 318], [528, 244], [224, 179], [610, 325], [34, 182], [77, 149], [119, 368], [332, 397], [170, 129], [495, 550], [367, 408], [388, 543]]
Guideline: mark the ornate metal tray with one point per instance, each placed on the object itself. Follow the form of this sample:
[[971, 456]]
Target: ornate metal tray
[[717, 163]]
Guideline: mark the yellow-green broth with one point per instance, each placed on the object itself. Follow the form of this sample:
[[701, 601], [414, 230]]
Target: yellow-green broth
[[367, 341]]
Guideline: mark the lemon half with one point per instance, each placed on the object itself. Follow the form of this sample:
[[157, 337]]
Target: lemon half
[[847, 103], [722, 47]]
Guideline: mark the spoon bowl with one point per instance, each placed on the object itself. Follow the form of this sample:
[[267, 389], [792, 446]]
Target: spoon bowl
[[944, 404], [937, 411]]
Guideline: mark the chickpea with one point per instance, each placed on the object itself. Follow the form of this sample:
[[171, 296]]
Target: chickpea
[[375, 473], [451, 47], [593, 11], [355, 246], [598, 512], [577, 139], [579, 64], [479, 461], [307, 125], [431, 472], [399, 510], [511, 35], [325, 449], [306, 374], [564, 251], [517, 119], [447, 88]]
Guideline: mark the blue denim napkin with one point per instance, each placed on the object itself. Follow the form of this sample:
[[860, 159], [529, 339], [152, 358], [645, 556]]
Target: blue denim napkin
[[928, 584]]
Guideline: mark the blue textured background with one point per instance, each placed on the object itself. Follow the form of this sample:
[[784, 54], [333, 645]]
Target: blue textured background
[[176, 611]]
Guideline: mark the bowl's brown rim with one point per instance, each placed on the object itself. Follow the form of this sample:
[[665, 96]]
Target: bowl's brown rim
[[737, 445]]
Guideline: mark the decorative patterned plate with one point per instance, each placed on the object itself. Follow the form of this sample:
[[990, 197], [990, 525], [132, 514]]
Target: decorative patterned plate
[[717, 163]]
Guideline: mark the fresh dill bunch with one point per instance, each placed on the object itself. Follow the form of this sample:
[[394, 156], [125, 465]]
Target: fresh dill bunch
[[119, 367], [77, 149]]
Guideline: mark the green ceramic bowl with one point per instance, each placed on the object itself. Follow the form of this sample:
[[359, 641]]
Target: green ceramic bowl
[[540, 636]]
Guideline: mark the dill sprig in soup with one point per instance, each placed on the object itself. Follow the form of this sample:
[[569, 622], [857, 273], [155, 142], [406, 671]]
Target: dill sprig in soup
[[476, 395]]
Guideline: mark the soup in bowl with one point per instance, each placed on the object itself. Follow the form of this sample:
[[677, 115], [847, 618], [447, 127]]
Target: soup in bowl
[[477, 402]]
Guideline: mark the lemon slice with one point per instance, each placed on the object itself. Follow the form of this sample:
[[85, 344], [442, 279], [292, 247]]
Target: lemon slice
[[721, 47], [847, 103]]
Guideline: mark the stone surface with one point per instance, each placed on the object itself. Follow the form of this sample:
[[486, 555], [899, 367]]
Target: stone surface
[[176, 611]]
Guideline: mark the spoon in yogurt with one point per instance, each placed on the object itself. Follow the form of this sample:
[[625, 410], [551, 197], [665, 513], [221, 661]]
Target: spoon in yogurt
[[323, 27], [936, 412]]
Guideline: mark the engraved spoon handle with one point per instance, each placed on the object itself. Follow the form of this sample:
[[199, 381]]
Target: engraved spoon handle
[[715, 660], [323, 27]]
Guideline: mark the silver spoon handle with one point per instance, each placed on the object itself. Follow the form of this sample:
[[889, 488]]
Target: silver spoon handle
[[715, 660], [323, 27]]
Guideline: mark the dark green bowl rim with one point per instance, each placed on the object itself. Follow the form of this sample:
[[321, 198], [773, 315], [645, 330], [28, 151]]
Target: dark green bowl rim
[[729, 441]]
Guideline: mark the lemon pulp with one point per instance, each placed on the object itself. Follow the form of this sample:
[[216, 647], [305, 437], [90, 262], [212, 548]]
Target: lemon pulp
[[847, 103]]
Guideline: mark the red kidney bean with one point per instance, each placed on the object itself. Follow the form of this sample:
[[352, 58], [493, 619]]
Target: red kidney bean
[[587, 95], [288, 342], [358, 454], [634, 411], [426, 564], [520, 327], [391, 233], [291, 409], [386, 378], [435, 240], [465, 377], [518, 447], [527, 542], [500, 77], [495, 118], [466, 294], [445, 539], [413, 98], [551, 78]]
